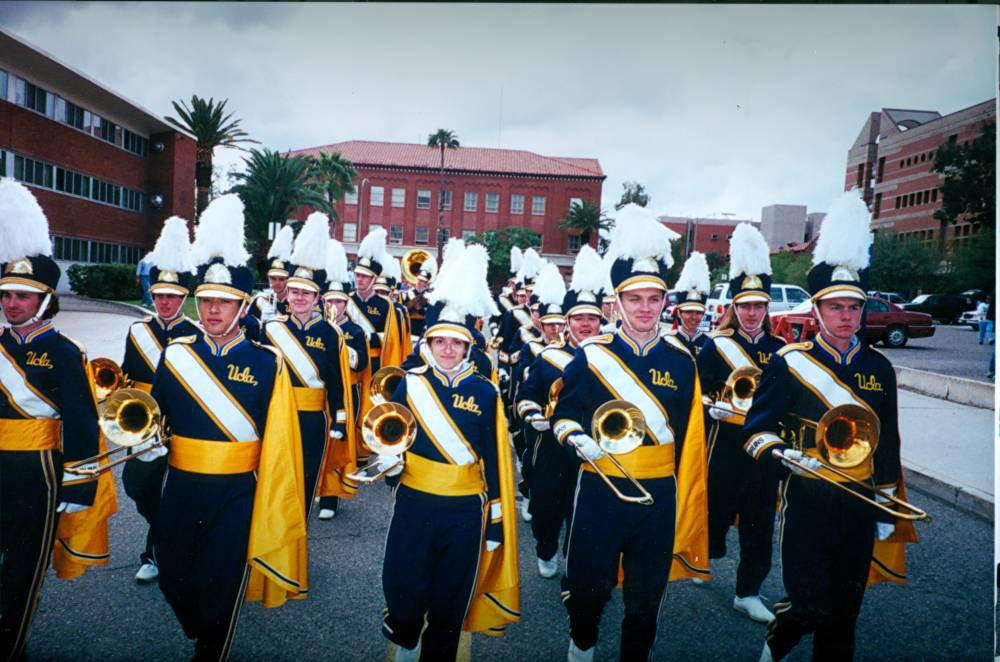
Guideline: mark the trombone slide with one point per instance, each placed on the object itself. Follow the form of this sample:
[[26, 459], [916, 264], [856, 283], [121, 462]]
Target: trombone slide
[[365, 475]]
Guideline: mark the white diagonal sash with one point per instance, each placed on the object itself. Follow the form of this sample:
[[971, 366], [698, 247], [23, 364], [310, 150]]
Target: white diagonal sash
[[626, 386], [297, 356], [359, 317], [558, 358], [522, 317], [20, 391], [436, 420], [676, 342], [147, 344], [183, 362], [826, 386], [733, 353]]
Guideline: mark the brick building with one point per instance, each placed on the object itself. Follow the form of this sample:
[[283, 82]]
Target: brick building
[[106, 171], [485, 189], [706, 235], [891, 162]]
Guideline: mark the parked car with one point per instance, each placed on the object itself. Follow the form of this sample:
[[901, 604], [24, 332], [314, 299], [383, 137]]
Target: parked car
[[885, 322], [891, 297], [783, 297], [972, 318], [946, 308]]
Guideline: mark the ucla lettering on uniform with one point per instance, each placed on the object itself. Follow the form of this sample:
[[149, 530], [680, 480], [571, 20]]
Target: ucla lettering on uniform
[[868, 383], [243, 376], [465, 404], [372, 310], [662, 378], [315, 343], [763, 358], [38, 360]]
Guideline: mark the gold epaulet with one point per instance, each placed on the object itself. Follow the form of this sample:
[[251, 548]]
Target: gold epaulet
[[721, 333], [795, 346], [675, 343], [187, 340], [420, 369], [76, 343], [602, 339]]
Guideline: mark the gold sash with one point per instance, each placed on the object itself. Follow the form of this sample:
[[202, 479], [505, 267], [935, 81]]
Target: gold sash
[[425, 475], [30, 434], [644, 462], [309, 399], [213, 457]]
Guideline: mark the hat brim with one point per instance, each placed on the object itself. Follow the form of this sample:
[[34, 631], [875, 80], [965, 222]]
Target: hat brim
[[692, 305], [23, 285], [302, 284], [213, 291], [449, 330], [641, 282], [840, 292], [277, 273], [168, 288], [588, 309], [752, 297], [552, 319]]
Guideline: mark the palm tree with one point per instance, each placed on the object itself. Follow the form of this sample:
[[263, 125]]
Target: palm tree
[[206, 121], [442, 138], [633, 192], [586, 218], [333, 176], [273, 187]]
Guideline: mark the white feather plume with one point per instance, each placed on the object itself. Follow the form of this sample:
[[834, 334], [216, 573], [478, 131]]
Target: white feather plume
[[516, 258], [845, 236], [607, 261], [748, 252], [637, 234], [694, 275], [281, 247], [373, 246], [310, 245], [220, 232], [550, 288], [452, 250], [531, 264], [336, 262], [392, 269], [25, 229], [173, 249], [430, 266], [588, 271], [462, 286]]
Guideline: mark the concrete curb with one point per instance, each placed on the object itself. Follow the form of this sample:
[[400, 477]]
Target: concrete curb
[[967, 499], [76, 303], [945, 387]]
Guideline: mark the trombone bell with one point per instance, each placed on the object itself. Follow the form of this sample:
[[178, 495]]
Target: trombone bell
[[106, 376], [619, 427], [740, 387], [128, 418], [384, 383], [388, 429], [413, 260]]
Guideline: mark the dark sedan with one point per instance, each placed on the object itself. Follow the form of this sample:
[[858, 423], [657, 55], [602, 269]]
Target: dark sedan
[[885, 322], [946, 308]]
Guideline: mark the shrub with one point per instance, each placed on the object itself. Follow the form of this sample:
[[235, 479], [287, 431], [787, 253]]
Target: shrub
[[105, 281]]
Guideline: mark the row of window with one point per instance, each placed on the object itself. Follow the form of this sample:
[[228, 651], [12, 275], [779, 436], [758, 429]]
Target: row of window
[[376, 198], [915, 159], [422, 235], [33, 97], [46, 175], [917, 198], [101, 252]]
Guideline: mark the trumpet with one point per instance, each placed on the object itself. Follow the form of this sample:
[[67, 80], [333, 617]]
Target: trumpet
[[384, 383], [388, 429], [846, 439], [619, 427], [128, 417]]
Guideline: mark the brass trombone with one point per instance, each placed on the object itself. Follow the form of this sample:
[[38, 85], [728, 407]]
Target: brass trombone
[[388, 429], [737, 393], [412, 262], [619, 427], [846, 438], [128, 417], [107, 377], [384, 383], [554, 390]]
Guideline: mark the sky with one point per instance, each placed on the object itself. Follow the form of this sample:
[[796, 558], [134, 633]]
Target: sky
[[714, 109]]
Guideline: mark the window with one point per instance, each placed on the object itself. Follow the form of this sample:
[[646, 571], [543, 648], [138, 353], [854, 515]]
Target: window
[[538, 205], [351, 198], [350, 231], [861, 175], [445, 235], [396, 233], [421, 234], [423, 199], [715, 236], [70, 113], [953, 138], [447, 199], [878, 205], [492, 203], [911, 199], [468, 234], [777, 295], [3, 163], [897, 202], [881, 169], [876, 306], [575, 201], [33, 97], [516, 203], [398, 197], [3, 85], [574, 243], [471, 201], [901, 163], [795, 295], [933, 195], [375, 196], [923, 157], [133, 142]]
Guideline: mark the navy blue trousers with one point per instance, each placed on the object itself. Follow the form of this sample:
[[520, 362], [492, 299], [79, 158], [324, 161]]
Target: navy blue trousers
[[29, 485], [553, 482], [315, 426], [604, 530], [429, 569], [203, 528], [143, 483]]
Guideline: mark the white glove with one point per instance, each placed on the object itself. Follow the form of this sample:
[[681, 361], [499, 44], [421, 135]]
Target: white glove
[[70, 508], [538, 421], [586, 447], [386, 461], [718, 414], [802, 458], [336, 434], [884, 529], [502, 374], [492, 545]]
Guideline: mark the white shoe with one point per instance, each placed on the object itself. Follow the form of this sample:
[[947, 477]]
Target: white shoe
[[698, 581], [765, 655], [525, 514], [548, 569], [407, 654], [752, 607], [147, 573], [576, 655], [326, 513]]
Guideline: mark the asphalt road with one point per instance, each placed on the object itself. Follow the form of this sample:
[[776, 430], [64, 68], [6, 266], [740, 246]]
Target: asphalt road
[[945, 613], [952, 350]]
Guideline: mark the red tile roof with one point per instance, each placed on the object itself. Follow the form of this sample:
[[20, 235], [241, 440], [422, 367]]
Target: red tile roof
[[480, 159]]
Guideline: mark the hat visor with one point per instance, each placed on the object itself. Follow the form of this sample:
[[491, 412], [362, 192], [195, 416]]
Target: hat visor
[[641, 282], [277, 273], [211, 291], [752, 297], [13, 284], [691, 305], [365, 271], [584, 310], [840, 292], [552, 319], [168, 288], [302, 284], [337, 294], [449, 330]]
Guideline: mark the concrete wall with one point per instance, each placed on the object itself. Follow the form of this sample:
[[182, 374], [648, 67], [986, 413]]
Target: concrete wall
[[783, 224]]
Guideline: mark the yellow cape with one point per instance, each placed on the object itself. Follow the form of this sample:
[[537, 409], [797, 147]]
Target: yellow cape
[[392, 345], [889, 556], [691, 528], [342, 454]]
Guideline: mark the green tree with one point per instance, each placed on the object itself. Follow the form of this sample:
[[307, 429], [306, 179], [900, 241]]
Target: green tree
[[791, 268], [969, 189], [973, 262], [586, 218], [332, 175], [273, 187], [633, 192], [498, 244], [905, 265], [211, 127], [442, 139]]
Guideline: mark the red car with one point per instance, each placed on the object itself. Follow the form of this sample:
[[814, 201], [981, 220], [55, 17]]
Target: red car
[[884, 322]]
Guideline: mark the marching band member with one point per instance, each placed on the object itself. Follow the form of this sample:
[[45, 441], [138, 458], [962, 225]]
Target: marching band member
[[170, 275], [232, 507], [666, 538], [387, 285], [415, 298], [519, 316], [693, 285], [553, 470], [48, 418], [736, 485], [273, 301], [609, 300], [827, 535], [342, 459], [505, 300], [451, 550], [312, 351]]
